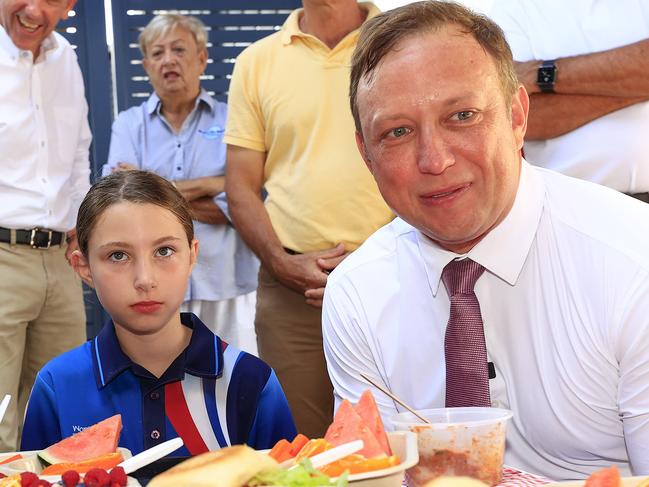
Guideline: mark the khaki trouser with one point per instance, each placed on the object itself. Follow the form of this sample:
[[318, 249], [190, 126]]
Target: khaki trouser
[[41, 316], [289, 336]]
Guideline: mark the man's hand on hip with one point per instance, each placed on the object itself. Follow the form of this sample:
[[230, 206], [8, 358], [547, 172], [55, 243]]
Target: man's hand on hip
[[307, 273]]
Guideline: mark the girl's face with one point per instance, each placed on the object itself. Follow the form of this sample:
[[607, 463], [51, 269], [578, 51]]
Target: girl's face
[[139, 263]]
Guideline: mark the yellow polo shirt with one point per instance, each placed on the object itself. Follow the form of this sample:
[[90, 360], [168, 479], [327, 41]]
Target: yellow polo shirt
[[289, 98]]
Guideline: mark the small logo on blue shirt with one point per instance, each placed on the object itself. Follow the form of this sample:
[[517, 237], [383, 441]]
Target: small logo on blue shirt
[[212, 132]]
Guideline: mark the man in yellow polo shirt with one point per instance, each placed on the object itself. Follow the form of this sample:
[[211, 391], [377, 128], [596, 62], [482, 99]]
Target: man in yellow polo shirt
[[290, 131]]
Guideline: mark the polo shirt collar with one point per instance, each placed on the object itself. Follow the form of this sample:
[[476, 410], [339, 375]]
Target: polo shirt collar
[[504, 250], [203, 357], [291, 27], [153, 104]]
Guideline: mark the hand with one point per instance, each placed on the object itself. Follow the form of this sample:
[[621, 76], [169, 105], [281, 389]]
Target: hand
[[73, 244], [315, 296], [302, 272], [124, 166]]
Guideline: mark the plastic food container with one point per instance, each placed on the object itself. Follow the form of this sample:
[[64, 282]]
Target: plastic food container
[[459, 441]]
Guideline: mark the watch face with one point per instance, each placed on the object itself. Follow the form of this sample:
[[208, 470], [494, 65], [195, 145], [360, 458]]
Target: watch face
[[546, 75]]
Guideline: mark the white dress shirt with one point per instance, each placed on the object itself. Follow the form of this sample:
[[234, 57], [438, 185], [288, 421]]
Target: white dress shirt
[[612, 150], [44, 136], [565, 305]]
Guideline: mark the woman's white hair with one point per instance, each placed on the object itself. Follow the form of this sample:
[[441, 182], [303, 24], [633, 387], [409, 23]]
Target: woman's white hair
[[164, 23]]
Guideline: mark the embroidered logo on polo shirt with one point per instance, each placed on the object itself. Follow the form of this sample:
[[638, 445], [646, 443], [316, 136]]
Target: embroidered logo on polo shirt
[[212, 132]]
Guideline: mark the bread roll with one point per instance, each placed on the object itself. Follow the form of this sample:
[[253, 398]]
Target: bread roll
[[233, 466], [455, 482]]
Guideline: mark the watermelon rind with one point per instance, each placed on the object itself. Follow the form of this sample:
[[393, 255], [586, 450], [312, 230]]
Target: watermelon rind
[[96, 440]]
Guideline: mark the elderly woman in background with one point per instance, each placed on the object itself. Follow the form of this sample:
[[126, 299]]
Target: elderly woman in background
[[177, 133]]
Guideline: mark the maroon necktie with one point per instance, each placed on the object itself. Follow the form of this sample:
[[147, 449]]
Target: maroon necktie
[[467, 372]]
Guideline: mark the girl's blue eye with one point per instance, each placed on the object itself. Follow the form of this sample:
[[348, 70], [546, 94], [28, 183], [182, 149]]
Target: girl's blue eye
[[165, 251], [118, 256]]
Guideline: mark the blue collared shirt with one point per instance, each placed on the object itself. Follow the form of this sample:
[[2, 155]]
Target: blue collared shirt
[[141, 136], [212, 396]]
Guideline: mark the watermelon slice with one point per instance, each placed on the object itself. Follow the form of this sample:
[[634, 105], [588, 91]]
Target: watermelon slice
[[348, 426], [606, 477], [94, 441], [369, 413]]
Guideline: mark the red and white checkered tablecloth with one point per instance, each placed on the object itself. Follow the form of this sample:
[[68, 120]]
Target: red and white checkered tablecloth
[[516, 478]]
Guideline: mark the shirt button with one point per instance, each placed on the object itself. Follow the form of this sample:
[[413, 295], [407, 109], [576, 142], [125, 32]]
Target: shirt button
[[155, 434], [178, 168], [154, 395], [42, 143], [178, 144]]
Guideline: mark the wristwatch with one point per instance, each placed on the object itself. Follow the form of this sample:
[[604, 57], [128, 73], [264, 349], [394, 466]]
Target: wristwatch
[[547, 76]]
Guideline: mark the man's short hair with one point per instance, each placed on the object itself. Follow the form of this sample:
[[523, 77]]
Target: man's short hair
[[381, 34], [164, 23]]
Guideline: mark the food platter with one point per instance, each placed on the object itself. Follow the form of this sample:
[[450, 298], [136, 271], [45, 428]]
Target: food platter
[[626, 482], [30, 463]]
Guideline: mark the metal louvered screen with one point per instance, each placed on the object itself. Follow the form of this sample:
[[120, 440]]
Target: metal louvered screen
[[85, 29], [232, 25]]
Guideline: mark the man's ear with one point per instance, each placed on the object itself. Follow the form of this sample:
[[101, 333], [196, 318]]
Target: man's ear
[[70, 6], [80, 265], [360, 143], [520, 109]]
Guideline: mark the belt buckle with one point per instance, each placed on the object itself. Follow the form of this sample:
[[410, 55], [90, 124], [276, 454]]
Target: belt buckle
[[32, 239]]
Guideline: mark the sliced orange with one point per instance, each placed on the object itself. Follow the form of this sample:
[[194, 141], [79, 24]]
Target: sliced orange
[[359, 464], [313, 447], [104, 461]]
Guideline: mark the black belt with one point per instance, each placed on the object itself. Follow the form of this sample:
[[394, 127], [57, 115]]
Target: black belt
[[640, 196], [37, 238]]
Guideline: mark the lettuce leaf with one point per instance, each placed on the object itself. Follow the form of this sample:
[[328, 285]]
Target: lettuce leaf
[[304, 475]]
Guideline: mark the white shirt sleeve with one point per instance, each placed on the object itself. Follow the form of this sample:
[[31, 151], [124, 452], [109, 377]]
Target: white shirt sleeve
[[633, 387], [80, 176], [348, 353], [511, 17]]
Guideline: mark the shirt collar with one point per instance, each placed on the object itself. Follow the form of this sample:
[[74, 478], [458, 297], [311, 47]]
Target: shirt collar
[[50, 43], [203, 357], [153, 103], [505, 248], [291, 27]]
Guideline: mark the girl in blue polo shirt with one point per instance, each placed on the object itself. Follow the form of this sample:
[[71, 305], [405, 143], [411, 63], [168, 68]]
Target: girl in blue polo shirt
[[165, 372]]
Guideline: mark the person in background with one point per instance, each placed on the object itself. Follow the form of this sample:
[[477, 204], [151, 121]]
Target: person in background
[[164, 371], [289, 132], [585, 67], [500, 283], [44, 143], [178, 134]]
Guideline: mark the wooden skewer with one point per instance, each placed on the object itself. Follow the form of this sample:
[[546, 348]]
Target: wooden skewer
[[395, 398]]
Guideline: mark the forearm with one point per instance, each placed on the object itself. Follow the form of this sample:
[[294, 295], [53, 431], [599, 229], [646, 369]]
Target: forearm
[[552, 115], [193, 189], [251, 220], [619, 72], [204, 210]]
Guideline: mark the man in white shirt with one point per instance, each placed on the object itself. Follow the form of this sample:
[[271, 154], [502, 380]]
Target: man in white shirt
[[584, 65], [563, 294], [44, 142]]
